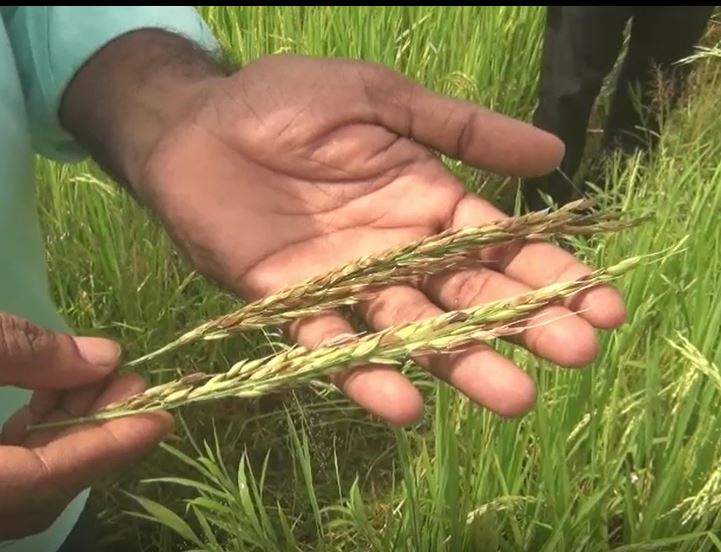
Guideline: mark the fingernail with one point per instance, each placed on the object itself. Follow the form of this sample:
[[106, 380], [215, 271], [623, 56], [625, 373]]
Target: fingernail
[[98, 351]]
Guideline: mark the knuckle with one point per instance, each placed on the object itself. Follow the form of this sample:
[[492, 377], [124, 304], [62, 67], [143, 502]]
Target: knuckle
[[49, 492], [374, 70], [20, 338], [467, 135], [411, 312], [468, 287], [395, 306], [381, 82]]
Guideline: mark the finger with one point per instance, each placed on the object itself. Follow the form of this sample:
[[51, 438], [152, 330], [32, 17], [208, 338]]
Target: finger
[[22, 486], [77, 402], [41, 404], [484, 376], [36, 358], [119, 388], [379, 389], [49, 469], [73, 404], [553, 334], [123, 387], [78, 458], [13, 431], [461, 129], [539, 264]]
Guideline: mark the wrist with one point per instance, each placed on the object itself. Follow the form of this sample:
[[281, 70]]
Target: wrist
[[131, 93]]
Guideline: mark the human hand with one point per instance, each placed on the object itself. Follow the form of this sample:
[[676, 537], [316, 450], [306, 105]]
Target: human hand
[[295, 165], [41, 473]]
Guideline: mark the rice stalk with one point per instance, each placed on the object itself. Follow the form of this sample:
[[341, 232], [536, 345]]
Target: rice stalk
[[706, 502], [359, 280], [296, 366]]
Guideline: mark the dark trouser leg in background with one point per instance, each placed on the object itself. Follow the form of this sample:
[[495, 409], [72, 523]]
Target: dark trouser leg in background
[[83, 536], [660, 36], [581, 45]]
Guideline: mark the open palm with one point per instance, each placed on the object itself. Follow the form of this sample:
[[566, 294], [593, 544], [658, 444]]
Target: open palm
[[294, 166]]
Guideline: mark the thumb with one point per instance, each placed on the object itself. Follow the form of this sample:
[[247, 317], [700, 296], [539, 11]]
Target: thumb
[[460, 129], [36, 358]]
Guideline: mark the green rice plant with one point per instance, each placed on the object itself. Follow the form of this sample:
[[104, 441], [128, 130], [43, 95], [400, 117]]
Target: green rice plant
[[623, 455]]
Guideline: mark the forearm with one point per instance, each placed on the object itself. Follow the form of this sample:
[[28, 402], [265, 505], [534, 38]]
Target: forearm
[[129, 93]]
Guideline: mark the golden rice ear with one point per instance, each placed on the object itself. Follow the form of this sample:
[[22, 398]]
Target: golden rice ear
[[298, 366], [359, 280]]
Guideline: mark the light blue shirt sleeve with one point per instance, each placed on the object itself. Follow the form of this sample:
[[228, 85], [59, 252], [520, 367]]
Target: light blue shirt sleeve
[[51, 43]]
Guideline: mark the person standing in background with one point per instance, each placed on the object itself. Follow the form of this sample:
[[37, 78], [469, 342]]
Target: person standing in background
[[581, 46]]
